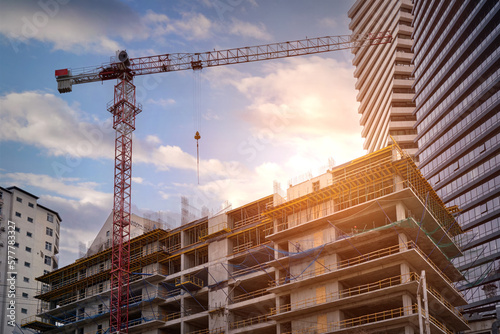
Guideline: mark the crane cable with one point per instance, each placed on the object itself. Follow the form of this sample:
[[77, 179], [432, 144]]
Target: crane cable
[[197, 116]]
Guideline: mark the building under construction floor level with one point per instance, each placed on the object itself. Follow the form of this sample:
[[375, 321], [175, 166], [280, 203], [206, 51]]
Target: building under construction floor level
[[365, 247]]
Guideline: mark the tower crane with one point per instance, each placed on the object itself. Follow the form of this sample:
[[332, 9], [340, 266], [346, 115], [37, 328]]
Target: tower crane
[[125, 108]]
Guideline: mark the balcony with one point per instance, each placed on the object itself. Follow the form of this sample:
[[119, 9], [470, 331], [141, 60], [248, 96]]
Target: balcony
[[214, 231], [189, 282], [369, 292], [394, 317]]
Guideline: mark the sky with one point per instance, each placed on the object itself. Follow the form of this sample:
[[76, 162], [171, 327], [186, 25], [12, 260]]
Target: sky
[[275, 120]]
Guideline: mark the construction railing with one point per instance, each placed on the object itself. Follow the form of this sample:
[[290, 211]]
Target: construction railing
[[252, 269], [35, 318], [250, 321], [353, 291], [219, 330], [365, 288], [380, 253], [452, 308], [189, 279], [362, 320], [213, 231], [440, 325], [247, 221], [250, 295], [343, 264]]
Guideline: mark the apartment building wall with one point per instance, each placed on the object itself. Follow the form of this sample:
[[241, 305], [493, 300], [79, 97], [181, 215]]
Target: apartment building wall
[[384, 74], [34, 245], [457, 70]]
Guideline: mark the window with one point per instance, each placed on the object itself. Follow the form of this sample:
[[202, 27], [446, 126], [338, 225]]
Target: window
[[16, 244], [47, 260], [18, 214], [17, 229], [48, 246], [28, 249], [27, 264], [50, 217], [29, 234], [99, 329], [19, 199], [101, 267], [107, 233], [101, 287], [25, 295], [99, 308], [25, 311], [49, 231], [26, 279], [45, 272], [31, 205], [30, 219]]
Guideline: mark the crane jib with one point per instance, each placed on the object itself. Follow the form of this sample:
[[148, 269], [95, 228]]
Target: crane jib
[[195, 61]]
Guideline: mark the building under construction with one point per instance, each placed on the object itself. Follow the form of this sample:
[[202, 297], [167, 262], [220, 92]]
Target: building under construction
[[365, 247]]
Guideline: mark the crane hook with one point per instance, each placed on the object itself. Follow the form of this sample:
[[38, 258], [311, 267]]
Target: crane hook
[[197, 137]]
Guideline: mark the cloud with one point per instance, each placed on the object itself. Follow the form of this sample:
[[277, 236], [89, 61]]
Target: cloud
[[310, 95], [75, 26], [95, 26], [138, 180], [303, 103], [196, 26], [74, 190], [164, 103], [192, 26], [210, 115], [328, 22], [247, 29], [42, 120]]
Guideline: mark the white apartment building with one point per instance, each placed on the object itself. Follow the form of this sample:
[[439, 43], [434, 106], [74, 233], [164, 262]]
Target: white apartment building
[[383, 74], [32, 232]]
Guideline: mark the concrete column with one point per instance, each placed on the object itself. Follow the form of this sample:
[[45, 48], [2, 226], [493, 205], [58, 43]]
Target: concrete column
[[405, 270], [398, 183], [400, 211], [403, 242], [407, 303], [335, 287], [332, 260], [337, 316], [409, 330]]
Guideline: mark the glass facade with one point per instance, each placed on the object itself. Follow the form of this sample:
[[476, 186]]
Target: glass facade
[[456, 71]]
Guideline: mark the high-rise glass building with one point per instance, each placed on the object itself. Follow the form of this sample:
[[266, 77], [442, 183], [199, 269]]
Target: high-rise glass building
[[454, 77], [456, 47], [384, 74]]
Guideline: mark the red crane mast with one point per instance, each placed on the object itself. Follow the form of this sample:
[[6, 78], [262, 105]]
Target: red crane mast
[[124, 109]]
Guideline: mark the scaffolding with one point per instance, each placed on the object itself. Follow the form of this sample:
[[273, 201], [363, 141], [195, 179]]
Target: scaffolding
[[173, 266], [364, 179]]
